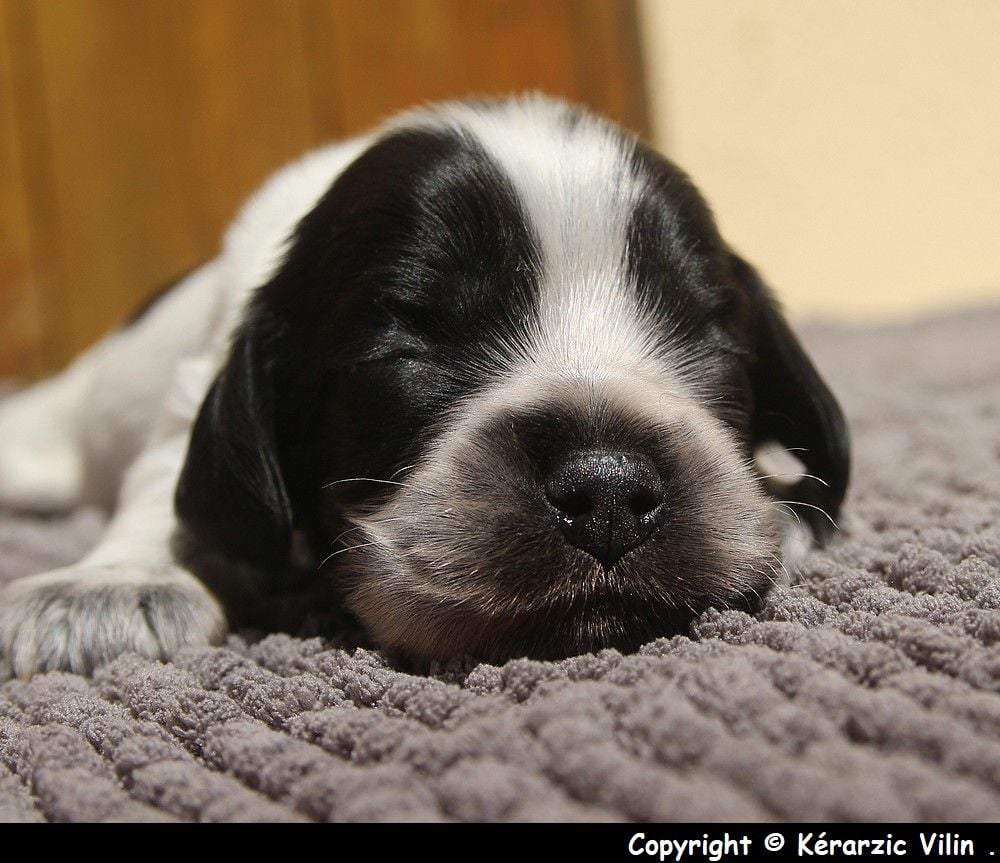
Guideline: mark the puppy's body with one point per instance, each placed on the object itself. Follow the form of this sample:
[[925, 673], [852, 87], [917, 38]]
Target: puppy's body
[[493, 363]]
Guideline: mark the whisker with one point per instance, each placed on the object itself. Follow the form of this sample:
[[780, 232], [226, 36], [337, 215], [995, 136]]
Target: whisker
[[769, 578], [344, 533], [363, 479], [784, 569], [796, 475], [410, 488], [791, 511], [355, 527], [396, 473], [339, 551], [753, 590], [818, 509]]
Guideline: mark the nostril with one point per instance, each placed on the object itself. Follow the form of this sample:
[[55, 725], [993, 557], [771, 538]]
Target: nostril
[[574, 503], [645, 500]]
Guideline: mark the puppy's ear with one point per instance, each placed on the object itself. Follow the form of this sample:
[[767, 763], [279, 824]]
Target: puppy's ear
[[794, 407], [231, 494]]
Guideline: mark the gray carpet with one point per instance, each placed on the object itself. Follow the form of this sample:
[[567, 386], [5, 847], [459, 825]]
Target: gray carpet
[[867, 691]]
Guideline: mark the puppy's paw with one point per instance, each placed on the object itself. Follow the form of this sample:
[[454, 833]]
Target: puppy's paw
[[76, 618]]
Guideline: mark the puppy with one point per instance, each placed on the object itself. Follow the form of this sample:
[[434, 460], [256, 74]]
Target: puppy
[[492, 366]]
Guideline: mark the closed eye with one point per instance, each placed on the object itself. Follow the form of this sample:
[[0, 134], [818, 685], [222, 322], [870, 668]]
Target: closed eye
[[397, 348], [395, 358], [725, 341]]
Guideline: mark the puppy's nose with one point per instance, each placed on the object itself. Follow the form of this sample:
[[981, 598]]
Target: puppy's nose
[[607, 503]]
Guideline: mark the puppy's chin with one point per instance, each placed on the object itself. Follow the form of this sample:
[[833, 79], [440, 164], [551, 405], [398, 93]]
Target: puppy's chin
[[428, 615]]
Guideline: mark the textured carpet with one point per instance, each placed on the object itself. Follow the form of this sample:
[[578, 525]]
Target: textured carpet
[[866, 691]]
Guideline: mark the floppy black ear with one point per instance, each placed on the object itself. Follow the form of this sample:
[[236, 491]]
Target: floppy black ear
[[793, 406], [231, 494]]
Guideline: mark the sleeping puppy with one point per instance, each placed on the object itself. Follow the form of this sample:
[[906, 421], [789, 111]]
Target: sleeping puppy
[[492, 366]]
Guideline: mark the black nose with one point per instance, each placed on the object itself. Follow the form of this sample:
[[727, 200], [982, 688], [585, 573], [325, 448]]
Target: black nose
[[607, 503]]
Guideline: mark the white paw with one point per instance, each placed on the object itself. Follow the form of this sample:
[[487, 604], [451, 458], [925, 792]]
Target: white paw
[[76, 618]]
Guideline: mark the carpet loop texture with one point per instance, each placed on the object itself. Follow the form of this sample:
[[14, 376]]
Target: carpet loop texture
[[867, 690]]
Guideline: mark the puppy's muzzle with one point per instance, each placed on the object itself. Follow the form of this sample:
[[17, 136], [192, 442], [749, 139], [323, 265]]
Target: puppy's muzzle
[[607, 503], [546, 521]]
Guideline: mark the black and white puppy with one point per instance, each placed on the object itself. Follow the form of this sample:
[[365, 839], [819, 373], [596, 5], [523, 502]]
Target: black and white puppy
[[493, 363]]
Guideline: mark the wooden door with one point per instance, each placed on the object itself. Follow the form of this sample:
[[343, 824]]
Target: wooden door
[[130, 130]]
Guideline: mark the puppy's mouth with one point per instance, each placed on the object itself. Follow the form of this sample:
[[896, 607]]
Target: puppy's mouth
[[445, 584], [594, 620], [437, 615]]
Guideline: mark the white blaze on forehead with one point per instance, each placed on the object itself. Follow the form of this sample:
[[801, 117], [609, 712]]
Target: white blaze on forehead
[[573, 178]]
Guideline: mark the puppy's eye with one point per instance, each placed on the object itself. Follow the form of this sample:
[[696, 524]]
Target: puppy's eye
[[726, 341], [408, 357], [400, 354]]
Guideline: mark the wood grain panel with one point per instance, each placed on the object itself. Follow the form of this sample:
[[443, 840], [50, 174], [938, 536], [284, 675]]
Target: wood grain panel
[[609, 65], [156, 119], [21, 330], [371, 59], [131, 130]]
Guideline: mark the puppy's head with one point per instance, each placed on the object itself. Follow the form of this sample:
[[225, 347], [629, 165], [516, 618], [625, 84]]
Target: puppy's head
[[510, 381]]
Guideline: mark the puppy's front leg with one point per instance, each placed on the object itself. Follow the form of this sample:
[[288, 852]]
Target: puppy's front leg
[[128, 594], [41, 452]]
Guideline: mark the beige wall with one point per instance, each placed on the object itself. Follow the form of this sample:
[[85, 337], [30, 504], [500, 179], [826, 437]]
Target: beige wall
[[850, 148]]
